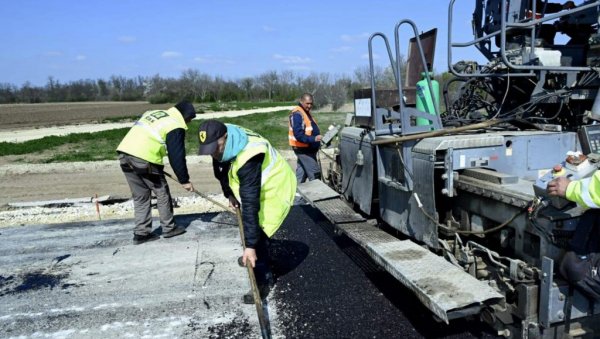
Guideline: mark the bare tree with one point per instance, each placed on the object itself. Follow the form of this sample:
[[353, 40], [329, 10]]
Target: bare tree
[[8, 93], [268, 81], [246, 84], [193, 84], [337, 94], [286, 82]]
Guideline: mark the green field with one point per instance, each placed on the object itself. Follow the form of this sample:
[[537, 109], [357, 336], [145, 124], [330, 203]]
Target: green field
[[102, 145]]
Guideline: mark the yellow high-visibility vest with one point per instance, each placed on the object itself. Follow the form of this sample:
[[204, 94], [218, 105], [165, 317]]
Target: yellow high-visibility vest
[[585, 192], [278, 182], [147, 138]]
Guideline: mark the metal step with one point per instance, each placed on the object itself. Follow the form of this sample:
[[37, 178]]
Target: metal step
[[328, 201], [448, 291]]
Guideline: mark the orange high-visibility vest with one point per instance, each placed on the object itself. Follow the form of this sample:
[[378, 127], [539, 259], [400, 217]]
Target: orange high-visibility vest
[[308, 129]]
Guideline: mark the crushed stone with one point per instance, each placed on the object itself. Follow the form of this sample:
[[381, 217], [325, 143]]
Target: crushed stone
[[87, 211]]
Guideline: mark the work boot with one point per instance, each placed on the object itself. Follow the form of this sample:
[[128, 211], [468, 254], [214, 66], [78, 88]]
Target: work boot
[[263, 290], [248, 298], [140, 239], [174, 232]]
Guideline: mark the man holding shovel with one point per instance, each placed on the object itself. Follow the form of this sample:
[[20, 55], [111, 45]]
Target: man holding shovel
[[141, 155], [252, 172]]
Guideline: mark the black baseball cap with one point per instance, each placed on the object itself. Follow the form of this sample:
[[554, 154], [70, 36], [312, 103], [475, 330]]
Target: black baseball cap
[[209, 132]]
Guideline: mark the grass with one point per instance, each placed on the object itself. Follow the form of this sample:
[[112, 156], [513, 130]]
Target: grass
[[211, 107], [234, 106], [101, 145]]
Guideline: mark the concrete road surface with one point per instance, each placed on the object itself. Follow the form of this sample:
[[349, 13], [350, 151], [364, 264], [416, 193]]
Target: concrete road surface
[[87, 280]]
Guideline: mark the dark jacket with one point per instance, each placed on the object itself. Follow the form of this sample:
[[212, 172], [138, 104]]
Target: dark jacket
[[250, 180], [176, 153]]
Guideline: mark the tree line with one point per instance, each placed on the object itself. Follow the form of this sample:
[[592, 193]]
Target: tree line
[[197, 86]]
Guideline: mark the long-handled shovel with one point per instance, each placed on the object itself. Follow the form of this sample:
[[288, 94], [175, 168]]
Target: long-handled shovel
[[265, 327]]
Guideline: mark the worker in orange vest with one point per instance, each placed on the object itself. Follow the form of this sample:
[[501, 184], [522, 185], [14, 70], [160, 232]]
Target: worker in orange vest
[[305, 138]]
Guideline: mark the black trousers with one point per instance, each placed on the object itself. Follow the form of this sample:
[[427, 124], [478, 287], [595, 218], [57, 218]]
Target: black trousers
[[580, 266], [262, 267]]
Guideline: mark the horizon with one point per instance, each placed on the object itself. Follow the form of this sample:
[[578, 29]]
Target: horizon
[[70, 41]]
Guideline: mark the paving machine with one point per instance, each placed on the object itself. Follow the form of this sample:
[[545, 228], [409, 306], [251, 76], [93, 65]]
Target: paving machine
[[473, 233]]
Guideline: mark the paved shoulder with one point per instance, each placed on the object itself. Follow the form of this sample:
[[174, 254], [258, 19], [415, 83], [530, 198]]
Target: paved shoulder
[[88, 280]]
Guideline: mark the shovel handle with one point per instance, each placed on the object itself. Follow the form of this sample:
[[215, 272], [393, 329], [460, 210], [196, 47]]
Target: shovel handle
[[201, 195]]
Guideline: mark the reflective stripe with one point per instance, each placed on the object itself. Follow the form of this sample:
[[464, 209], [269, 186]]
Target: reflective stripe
[[265, 173], [585, 193], [153, 132], [165, 122]]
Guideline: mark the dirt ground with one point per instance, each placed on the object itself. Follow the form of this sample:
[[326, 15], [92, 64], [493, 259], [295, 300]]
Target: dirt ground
[[22, 182], [25, 182], [19, 116]]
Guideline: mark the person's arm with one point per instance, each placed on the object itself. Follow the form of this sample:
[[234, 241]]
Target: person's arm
[[176, 153], [250, 182], [221, 170], [585, 192], [296, 122], [317, 133]]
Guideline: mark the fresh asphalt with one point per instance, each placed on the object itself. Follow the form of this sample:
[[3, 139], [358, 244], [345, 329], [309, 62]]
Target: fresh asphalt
[[87, 280], [328, 287]]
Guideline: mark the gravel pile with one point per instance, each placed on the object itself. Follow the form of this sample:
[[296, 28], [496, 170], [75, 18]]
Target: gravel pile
[[69, 212]]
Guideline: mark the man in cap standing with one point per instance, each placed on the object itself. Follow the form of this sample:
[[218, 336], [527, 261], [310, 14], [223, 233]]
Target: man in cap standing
[[155, 135], [252, 172]]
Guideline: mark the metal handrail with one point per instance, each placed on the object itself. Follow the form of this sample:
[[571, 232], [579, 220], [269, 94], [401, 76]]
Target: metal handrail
[[371, 67], [423, 61], [473, 42]]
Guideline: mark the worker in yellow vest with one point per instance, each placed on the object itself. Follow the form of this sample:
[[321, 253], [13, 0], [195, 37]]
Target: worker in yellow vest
[[155, 135], [305, 138], [252, 172], [581, 264]]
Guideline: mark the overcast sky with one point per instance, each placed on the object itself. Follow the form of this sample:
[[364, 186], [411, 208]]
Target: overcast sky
[[76, 39]]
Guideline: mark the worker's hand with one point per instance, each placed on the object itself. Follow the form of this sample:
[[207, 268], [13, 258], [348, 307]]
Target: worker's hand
[[568, 5], [558, 187], [318, 138], [188, 187], [233, 202], [249, 255]]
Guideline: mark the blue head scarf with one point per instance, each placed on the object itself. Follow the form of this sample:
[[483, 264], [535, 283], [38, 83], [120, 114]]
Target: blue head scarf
[[236, 141]]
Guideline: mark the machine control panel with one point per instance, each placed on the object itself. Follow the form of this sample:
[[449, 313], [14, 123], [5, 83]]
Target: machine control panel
[[589, 136], [575, 167]]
